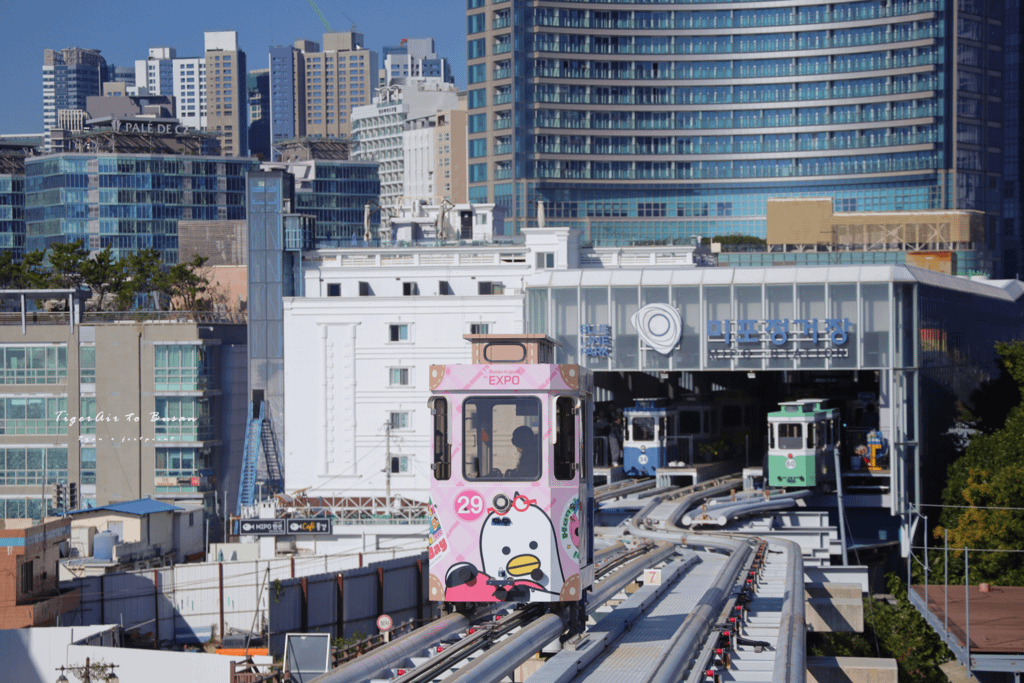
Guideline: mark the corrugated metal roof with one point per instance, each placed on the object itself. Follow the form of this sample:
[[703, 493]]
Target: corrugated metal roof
[[143, 506]]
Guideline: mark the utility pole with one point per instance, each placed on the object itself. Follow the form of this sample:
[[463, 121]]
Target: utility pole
[[387, 466]]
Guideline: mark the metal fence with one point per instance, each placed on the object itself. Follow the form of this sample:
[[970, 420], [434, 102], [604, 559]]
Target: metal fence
[[193, 603], [347, 604], [947, 609]]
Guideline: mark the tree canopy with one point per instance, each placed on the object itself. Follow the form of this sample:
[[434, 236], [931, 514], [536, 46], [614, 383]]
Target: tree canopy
[[117, 283], [985, 488]]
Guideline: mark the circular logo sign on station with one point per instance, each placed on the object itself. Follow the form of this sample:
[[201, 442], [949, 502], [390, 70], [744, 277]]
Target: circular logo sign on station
[[384, 623]]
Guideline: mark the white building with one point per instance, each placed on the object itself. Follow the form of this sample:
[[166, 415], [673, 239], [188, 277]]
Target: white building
[[164, 73], [379, 131], [359, 346], [414, 58]]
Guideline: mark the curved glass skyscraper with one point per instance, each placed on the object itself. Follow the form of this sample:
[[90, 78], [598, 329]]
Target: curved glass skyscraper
[[658, 121]]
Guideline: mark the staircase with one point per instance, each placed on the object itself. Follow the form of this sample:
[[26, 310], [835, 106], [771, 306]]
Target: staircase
[[271, 460], [250, 459], [259, 441]]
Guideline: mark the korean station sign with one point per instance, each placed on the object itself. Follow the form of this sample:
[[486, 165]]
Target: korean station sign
[[767, 338], [660, 328]]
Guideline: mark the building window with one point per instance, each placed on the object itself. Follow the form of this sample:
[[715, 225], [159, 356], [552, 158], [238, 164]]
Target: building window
[[365, 289], [444, 288], [334, 289], [33, 415], [545, 261], [87, 415], [182, 368], [183, 418], [33, 466], [87, 465], [489, 288], [399, 333], [34, 364], [181, 462], [399, 377], [399, 464], [399, 420], [480, 328], [410, 289], [87, 364]]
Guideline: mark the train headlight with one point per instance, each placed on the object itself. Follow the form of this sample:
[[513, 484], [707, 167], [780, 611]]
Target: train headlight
[[501, 503]]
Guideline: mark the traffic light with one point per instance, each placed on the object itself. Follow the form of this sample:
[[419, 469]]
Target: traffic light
[[73, 496], [58, 496]]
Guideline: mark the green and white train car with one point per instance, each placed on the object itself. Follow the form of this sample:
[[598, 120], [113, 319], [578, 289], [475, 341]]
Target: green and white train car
[[802, 439]]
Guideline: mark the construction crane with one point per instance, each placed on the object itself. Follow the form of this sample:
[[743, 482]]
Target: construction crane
[[323, 19]]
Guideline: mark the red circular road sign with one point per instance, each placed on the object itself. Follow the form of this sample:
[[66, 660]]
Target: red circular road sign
[[384, 623]]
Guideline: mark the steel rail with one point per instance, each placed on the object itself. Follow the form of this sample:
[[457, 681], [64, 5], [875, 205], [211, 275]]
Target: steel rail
[[395, 654], [503, 660], [724, 513], [791, 655], [482, 637], [622, 488], [791, 649]]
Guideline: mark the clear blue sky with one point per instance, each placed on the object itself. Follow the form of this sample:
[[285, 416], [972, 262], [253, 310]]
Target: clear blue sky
[[124, 32]]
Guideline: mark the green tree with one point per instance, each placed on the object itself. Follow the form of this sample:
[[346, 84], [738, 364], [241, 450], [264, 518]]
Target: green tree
[[32, 273], [68, 263], [103, 274], [186, 282], [990, 475], [144, 275], [10, 271]]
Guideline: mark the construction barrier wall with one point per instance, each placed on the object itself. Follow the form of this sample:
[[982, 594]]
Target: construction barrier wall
[[193, 603]]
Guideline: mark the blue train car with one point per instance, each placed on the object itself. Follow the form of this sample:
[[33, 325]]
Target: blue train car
[[657, 434]]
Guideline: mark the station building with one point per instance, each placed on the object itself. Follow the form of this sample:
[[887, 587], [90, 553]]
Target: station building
[[899, 343]]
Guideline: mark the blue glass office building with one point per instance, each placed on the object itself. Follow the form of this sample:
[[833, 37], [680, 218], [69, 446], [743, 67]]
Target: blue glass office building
[[335, 193], [128, 201], [12, 214], [657, 122]]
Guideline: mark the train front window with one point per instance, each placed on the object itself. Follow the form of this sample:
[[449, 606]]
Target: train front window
[[501, 438], [643, 428], [791, 435]]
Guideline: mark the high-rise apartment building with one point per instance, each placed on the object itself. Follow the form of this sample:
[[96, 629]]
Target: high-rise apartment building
[[664, 123], [227, 98], [184, 78], [258, 85], [156, 72], [313, 90], [69, 76], [450, 155], [397, 131], [414, 58]]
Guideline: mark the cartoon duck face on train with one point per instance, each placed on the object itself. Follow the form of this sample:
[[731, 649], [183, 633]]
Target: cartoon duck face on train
[[519, 553]]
